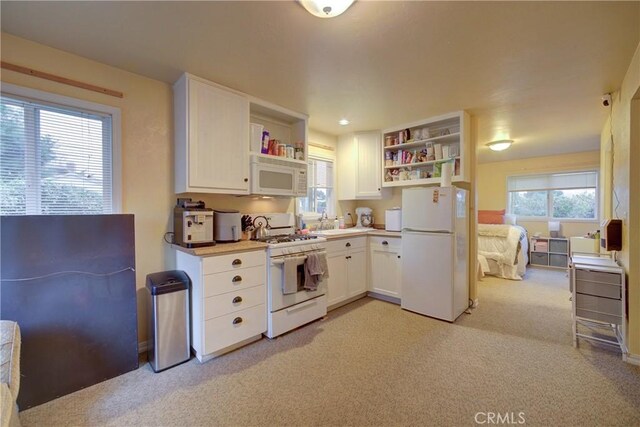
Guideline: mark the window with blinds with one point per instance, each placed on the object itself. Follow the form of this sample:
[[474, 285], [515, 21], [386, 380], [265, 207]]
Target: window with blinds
[[320, 196], [558, 196], [54, 159]]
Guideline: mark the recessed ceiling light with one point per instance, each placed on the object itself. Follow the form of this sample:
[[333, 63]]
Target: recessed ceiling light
[[326, 8], [343, 122], [500, 145]]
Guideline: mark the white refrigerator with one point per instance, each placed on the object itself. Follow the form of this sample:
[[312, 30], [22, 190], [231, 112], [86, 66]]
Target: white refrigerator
[[435, 251]]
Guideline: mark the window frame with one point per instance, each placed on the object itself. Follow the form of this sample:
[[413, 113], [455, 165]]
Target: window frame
[[61, 101], [549, 216], [315, 215]]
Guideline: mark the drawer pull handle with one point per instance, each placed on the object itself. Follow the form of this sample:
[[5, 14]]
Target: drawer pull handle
[[348, 245], [237, 300], [237, 320], [236, 262], [384, 242], [236, 279]]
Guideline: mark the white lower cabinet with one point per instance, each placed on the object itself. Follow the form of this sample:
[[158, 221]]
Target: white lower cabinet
[[347, 262], [228, 300], [385, 266]]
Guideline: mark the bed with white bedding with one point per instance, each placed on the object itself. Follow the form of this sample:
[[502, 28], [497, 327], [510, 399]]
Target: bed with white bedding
[[503, 250]]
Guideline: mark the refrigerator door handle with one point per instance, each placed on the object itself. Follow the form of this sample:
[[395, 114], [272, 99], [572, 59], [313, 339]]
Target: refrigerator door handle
[[410, 230]]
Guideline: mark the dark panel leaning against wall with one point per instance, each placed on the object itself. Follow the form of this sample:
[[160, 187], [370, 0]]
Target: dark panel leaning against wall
[[69, 283]]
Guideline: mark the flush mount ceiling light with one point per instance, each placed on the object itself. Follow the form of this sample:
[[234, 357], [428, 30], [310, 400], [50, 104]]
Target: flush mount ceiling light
[[326, 8], [343, 122], [500, 145]]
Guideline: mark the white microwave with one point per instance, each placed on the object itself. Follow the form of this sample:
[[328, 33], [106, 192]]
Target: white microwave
[[276, 176]]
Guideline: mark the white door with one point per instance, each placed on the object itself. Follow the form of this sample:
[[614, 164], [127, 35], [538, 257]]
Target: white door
[[357, 272], [369, 165], [385, 271], [427, 274], [218, 148], [337, 281], [428, 208]]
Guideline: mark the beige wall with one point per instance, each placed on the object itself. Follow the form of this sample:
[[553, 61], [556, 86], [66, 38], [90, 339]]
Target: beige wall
[[621, 160], [492, 185], [147, 147]]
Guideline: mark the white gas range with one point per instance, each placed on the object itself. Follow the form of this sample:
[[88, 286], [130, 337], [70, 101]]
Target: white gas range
[[289, 304]]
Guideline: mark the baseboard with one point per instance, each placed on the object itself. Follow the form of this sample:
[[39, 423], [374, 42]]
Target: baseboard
[[474, 303], [633, 359], [347, 301], [143, 346], [394, 300]]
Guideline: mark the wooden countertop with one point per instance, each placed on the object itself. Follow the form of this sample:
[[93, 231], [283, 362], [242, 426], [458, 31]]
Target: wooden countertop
[[224, 248]]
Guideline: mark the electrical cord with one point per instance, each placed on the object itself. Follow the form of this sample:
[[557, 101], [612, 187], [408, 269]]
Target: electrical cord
[[59, 273], [613, 152], [172, 241]]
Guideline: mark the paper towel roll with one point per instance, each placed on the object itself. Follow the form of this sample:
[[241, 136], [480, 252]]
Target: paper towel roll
[[445, 176]]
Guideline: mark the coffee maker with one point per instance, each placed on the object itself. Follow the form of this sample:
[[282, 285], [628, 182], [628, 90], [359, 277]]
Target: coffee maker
[[192, 224], [365, 218]]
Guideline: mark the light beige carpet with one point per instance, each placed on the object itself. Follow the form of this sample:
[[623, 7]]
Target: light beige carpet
[[371, 363]]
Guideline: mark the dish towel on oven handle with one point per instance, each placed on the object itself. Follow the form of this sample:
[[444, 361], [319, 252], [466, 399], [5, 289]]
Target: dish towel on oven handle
[[315, 270], [290, 276]]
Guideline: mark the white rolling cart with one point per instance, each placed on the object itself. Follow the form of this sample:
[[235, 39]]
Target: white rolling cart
[[599, 299]]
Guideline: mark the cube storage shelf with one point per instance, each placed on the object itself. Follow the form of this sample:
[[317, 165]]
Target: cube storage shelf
[[549, 252]]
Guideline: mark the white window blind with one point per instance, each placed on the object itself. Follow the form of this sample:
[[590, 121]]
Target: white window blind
[[559, 181], [54, 159]]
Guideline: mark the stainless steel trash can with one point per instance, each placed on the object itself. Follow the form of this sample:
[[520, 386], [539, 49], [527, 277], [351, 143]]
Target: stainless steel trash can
[[169, 341]]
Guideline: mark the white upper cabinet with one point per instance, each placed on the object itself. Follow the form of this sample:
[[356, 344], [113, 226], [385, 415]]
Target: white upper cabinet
[[212, 138], [414, 153], [359, 166]]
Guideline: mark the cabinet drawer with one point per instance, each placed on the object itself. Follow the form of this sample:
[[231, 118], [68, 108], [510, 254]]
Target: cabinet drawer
[[598, 276], [229, 281], [392, 242], [348, 243], [222, 332], [220, 305], [598, 304], [606, 290], [235, 261], [539, 259]]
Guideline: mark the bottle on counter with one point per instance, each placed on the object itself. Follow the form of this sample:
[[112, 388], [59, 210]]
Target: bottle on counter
[[336, 224], [341, 223]]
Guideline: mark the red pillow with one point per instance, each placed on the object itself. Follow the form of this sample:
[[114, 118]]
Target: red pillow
[[491, 217]]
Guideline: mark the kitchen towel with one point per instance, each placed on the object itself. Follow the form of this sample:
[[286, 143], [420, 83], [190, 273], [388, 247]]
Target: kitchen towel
[[290, 277], [315, 270]]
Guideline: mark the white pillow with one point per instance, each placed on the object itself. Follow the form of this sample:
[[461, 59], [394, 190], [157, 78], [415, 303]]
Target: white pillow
[[510, 219]]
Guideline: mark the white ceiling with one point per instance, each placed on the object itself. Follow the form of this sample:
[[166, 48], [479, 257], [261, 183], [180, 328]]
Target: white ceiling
[[530, 71]]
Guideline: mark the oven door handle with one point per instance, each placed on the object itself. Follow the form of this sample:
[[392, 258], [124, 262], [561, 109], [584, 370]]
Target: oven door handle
[[280, 260]]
